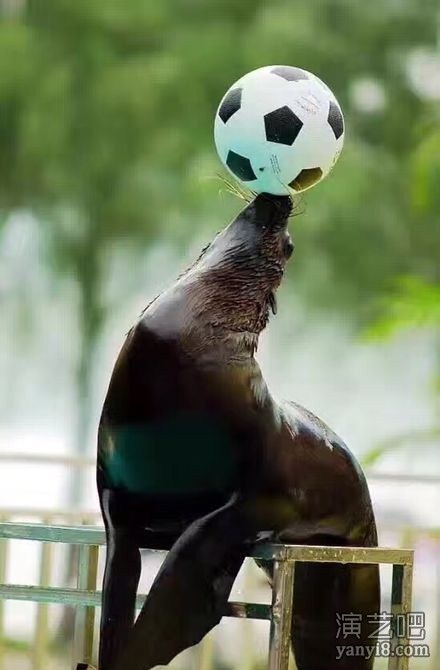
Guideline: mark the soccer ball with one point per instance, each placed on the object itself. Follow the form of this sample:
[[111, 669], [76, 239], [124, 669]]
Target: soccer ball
[[279, 128]]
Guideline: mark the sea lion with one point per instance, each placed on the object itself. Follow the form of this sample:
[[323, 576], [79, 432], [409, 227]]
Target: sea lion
[[195, 455]]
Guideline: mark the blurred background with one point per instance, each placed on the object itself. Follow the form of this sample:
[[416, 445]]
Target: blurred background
[[109, 186]]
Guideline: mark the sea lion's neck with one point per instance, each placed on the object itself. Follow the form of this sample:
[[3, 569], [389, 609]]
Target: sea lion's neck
[[215, 345], [227, 310], [212, 319], [218, 307]]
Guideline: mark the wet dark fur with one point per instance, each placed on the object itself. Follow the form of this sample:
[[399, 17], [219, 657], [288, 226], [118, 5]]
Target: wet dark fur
[[290, 477]]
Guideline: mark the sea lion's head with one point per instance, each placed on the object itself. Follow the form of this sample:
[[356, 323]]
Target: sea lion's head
[[234, 280]]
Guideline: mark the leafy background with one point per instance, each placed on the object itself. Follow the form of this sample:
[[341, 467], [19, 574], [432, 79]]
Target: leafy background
[[108, 184]]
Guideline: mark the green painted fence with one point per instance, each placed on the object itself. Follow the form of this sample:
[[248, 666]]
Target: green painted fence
[[85, 597]]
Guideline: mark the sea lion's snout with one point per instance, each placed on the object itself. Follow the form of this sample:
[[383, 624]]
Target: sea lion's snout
[[261, 229], [269, 210], [269, 214]]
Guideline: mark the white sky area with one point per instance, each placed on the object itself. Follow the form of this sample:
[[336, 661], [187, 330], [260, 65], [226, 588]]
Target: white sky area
[[366, 392]]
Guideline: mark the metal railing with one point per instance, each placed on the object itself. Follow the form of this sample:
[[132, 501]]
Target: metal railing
[[85, 597]]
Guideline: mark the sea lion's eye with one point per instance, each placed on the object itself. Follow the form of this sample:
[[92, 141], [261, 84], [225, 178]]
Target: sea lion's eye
[[288, 248]]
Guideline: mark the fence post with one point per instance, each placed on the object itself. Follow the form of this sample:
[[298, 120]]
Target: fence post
[[3, 566], [85, 616], [281, 616], [41, 626], [401, 596]]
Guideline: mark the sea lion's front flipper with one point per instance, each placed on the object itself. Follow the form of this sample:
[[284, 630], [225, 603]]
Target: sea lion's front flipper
[[189, 594]]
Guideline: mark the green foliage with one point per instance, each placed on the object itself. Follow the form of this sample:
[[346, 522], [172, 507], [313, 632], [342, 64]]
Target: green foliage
[[106, 115], [425, 175], [109, 107], [414, 303]]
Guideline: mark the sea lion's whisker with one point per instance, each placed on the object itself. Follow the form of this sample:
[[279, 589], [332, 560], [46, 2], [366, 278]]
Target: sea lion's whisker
[[230, 187], [236, 190], [299, 206]]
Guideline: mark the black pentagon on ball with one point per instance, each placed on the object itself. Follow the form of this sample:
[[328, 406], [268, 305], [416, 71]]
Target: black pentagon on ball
[[306, 178], [282, 126], [230, 104], [335, 119], [289, 73], [240, 166]]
